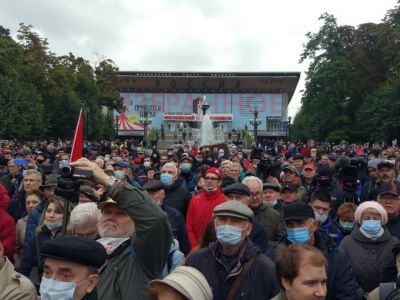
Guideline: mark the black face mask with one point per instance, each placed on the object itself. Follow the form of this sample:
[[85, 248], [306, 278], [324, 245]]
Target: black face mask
[[324, 182]]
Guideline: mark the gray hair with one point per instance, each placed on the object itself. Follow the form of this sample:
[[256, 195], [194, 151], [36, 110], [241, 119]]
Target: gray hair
[[253, 179], [39, 176], [172, 165], [84, 214]]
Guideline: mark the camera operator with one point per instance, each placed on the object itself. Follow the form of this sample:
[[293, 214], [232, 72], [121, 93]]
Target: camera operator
[[136, 234]]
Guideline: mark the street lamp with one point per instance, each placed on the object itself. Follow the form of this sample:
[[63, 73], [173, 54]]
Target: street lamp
[[146, 121], [288, 128], [116, 124], [255, 122]]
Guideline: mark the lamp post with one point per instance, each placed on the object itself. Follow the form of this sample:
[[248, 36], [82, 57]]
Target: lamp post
[[255, 122], [146, 121], [288, 128], [116, 125]]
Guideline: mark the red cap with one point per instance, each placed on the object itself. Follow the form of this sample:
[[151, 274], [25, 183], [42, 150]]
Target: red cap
[[215, 171], [309, 166], [137, 161]]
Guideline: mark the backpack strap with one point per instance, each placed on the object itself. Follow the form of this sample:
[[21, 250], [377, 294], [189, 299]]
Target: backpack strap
[[170, 261]]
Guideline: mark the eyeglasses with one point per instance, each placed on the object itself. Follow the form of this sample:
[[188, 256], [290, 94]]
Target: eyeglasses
[[211, 178], [257, 194]]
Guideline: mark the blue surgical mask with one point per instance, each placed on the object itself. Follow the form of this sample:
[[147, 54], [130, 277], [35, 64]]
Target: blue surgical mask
[[51, 289], [298, 235], [63, 163], [348, 226], [186, 167], [228, 235], [53, 226], [371, 226], [166, 179]]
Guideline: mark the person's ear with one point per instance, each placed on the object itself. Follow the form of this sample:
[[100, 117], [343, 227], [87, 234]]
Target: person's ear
[[248, 230], [1, 249], [285, 283], [92, 282]]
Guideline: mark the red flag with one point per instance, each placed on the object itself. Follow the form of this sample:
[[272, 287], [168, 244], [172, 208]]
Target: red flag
[[77, 144]]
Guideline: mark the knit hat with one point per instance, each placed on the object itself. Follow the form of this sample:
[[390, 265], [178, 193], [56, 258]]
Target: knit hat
[[189, 282], [214, 171], [370, 204]]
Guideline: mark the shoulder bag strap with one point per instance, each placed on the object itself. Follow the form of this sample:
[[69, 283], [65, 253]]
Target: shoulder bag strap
[[239, 279]]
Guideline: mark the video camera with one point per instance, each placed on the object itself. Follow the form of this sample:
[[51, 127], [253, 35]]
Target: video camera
[[349, 171], [268, 167], [69, 181]]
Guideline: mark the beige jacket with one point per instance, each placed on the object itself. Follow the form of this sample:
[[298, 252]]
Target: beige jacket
[[14, 286]]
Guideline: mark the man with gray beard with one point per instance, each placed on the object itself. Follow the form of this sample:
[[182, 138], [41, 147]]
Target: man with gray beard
[[135, 233]]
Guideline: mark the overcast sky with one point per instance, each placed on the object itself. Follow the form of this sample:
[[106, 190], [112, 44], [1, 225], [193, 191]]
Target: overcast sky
[[191, 35]]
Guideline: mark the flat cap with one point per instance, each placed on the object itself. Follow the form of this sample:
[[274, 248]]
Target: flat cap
[[51, 180], [89, 192], [290, 168], [236, 188], [103, 204], [298, 211], [121, 164], [75, 249], [186, 157], [272, 186], [153, 185], [386, 163], [298, 157], [289, 186], [387, 189], [233, 208]]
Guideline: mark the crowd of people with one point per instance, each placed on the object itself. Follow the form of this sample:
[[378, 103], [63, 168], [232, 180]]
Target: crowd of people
[[279, 221]]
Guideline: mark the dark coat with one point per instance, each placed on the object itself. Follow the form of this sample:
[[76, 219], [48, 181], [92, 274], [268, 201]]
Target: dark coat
[[371, 261], [394, 226], [7, 226], [259, 236], [341, 284], [178, 197], [259, 283], [16, 208], [178, 228], [272, 221]]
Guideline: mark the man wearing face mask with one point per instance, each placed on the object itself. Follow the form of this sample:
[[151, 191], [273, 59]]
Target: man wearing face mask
[[176, 195], [187, 173], [325, 181], [321, 203], [71, 268], [233, 266], [301, 227], [202, 205]]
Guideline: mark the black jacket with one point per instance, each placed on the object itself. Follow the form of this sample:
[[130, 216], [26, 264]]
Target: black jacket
[[178, 227], [259, 236], [16, 208], [178, 197], [259, 283], [341, 282], [394, 226]]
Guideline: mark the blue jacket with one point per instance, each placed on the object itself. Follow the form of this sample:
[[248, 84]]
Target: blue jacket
[[33, 221], [191, 180], [178, 227]]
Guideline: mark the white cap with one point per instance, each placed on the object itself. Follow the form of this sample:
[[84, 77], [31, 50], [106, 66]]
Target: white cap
[[189, 282]]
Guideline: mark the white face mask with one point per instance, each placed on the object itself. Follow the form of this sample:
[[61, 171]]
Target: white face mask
[[321, 218], [271, 204], [110, 244]]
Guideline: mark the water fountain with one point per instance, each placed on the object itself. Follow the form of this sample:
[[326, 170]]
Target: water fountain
[[206, 134]]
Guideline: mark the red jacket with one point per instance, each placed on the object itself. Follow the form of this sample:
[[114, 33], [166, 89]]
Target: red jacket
[[7, 226], [200, 212]]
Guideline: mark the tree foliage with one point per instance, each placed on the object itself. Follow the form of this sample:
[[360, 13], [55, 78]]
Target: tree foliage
[[352, 83], [42, 93]]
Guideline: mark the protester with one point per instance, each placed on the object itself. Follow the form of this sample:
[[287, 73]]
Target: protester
[[369, 247], [321, 203], [270, 195], [234, 258], [183, 283], [71, 268], [301, 271], [136, 234], [12, 284], [83, 220], [7, 226], [388, 197], [344, 224], [87, 194]]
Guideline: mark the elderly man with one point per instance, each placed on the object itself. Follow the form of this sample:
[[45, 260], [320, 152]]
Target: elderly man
[[71, 268], [83, 220], [135, 233], [12, 284], [388, 196], [87, 194], [271, 220], [386, 174], [301, 228], [32, 181], [176, 195], [202, 205], [156, 191], [233, 266]]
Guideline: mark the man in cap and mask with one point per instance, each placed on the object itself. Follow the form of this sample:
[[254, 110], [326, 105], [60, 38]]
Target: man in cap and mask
[[135, 233], [71, 268], [232, 265], [301, 228]]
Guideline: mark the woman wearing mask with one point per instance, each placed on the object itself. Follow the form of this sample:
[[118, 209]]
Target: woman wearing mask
[[369, 247], [50, 228], [345, 221], [32, 199]]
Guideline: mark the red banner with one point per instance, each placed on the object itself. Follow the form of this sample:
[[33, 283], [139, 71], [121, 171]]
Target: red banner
[[77, 144]]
